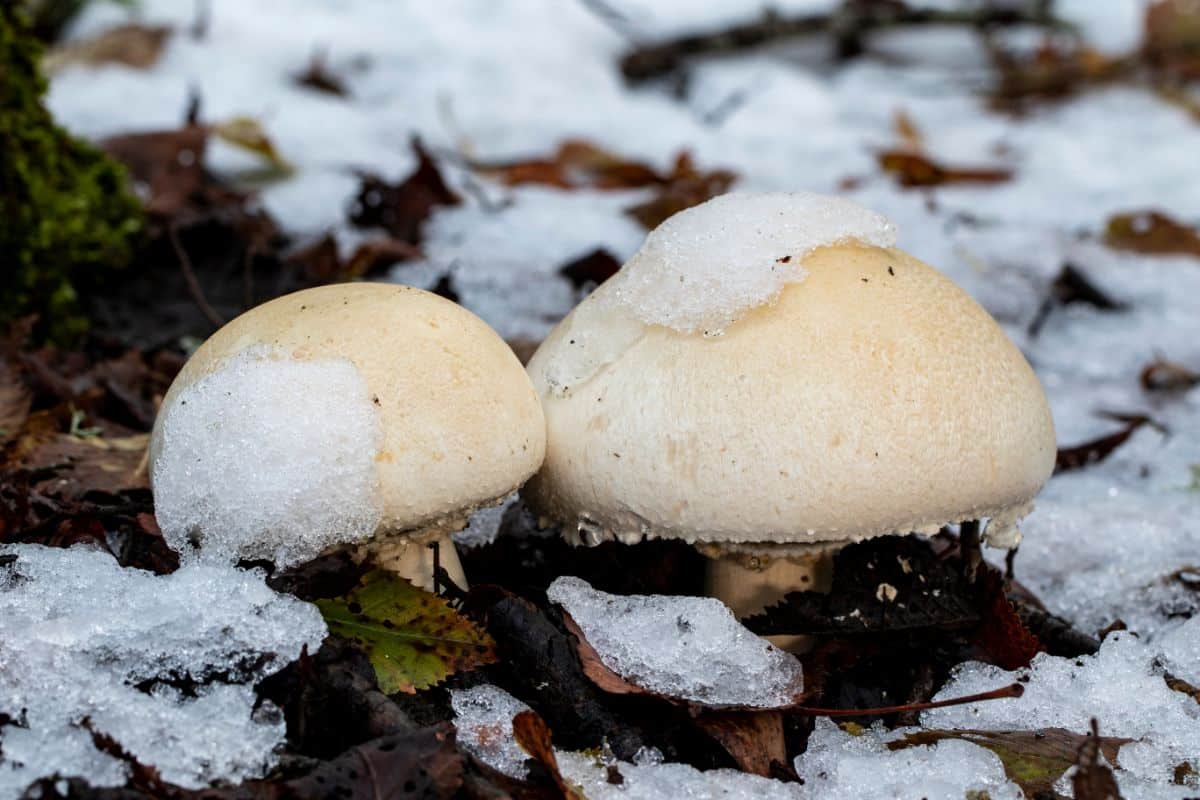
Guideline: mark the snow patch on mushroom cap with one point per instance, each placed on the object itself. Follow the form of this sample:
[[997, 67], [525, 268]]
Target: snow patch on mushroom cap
[[270, 458], [706, 266], [691, 648]]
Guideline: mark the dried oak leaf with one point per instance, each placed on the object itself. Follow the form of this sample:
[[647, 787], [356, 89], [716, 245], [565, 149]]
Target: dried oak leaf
[[401, 209], [1002, 633], [413, 637], [1034, 760], [533, 736], [137, 46], [683, 187], [913, 169], [1151, 232]]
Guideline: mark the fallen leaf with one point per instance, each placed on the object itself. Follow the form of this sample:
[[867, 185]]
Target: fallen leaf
[[1034, 760], [15, 402], [248, 134], [137, 46], [413, 638], [170, 167], [907, 131], [1171, 38], [1096, 450], [590, 270], [533, 736], [1151, 232], [1161, 375], [754, 739], [318, 77], [1093, 780], [1002, 633], [914, 169], [1057, 69], [576, 164], [401, 209], [1072, 286], [684, 186]]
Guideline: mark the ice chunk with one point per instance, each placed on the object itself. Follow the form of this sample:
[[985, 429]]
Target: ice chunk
[[484, 524], [165, 665], [669, 781], [692, 648], [1121, 686], [483, 716], [268, 458], [1180, 649], [839, 764], [706, 266]]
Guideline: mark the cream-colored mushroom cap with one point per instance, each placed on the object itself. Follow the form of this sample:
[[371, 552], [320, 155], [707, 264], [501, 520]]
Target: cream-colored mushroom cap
[[338, 413], [768, 368]]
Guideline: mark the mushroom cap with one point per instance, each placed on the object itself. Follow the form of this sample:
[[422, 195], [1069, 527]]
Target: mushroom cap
[[873, 396], [374, 395]]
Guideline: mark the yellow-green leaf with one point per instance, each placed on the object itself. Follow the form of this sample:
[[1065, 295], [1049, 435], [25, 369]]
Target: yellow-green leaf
[[248, 134], [413, 638]]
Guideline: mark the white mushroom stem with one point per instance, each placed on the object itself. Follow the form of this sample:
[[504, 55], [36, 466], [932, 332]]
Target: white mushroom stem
[[414, 559]]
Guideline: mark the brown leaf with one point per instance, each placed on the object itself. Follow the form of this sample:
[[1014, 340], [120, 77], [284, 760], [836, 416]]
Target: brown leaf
[[592, 269], [1171, 38], [15, 402], [1034, 760], [576, 164], [594, 667], [137, 46], [377, 255], [93, 463], [1161, 375], [1095, 451], [684, 187], [1151, 232], [318, 77], [170, 165], [913, 169], [1093, 780], [753, 738], [1001, 632], [401, 209], [533, 736]]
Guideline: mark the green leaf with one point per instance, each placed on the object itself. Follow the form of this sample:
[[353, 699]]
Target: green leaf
[[413, 638]]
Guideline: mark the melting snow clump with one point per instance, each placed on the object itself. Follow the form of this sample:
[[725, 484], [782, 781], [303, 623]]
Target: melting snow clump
[[1121, 686], [691, 648], [165, 665], [669, 781], [483, 716], [706, 266], [1181, 651], [839, 764], [268, 458]]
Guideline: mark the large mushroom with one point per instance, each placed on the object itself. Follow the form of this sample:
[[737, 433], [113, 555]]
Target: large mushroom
[[365, 415], [769, 378]]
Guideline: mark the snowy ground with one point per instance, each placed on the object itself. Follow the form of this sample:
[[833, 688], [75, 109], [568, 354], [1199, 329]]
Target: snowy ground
[[488, 79]]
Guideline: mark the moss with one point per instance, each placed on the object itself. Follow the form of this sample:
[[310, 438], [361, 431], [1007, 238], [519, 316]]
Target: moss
[[67, 217]]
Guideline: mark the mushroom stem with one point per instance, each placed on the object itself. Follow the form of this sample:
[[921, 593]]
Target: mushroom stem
[[968, 542], [749, 584], [414, 560]]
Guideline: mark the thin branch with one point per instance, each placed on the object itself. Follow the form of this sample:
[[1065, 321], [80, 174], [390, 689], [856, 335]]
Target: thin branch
[[189, 277]]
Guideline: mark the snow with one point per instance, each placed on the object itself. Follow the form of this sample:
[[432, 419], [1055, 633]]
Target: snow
[[691, 648], [1180, 651], [81, 638], [665, 781], [705, 267], [268, 458], [1121, 686], [1102, 543], [842, 764], [483, 717]]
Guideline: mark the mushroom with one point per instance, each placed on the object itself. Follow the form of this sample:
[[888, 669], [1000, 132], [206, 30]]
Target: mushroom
[[373, 416], [770, 379]]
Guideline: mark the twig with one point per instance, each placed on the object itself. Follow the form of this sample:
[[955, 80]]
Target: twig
[[189, 277], [1012, 690], [848, 25]]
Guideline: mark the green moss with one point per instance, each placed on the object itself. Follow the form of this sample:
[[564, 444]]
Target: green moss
[[66, 215]]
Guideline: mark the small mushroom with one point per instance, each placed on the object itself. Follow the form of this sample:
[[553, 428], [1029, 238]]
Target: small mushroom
[[769, 379], [364, 415]]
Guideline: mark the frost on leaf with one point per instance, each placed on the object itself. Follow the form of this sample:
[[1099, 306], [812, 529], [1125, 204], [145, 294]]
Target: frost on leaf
[[413, 638], [687, 648]]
